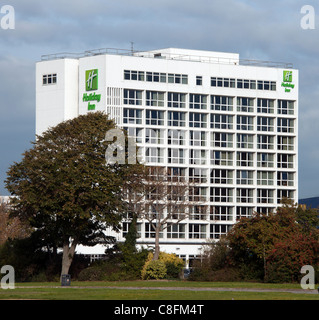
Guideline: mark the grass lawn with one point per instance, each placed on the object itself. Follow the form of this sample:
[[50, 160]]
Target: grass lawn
[[147, 291]]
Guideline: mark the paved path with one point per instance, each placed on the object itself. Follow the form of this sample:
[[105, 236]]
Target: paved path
[[182, 288]]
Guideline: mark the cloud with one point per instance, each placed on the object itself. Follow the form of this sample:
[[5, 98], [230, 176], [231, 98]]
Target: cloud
[[264, 30]]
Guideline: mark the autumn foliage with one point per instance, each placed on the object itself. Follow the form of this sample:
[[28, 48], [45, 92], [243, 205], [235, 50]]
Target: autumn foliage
[[272, 247]]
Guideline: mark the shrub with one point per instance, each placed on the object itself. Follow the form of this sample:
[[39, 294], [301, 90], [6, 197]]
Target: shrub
[[155, 269], [173, 264], [91, 274]]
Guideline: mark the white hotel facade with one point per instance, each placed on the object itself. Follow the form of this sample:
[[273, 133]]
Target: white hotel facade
[[230, 126]]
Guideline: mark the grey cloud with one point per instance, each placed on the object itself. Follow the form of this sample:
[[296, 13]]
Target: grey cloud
[[257, 29]]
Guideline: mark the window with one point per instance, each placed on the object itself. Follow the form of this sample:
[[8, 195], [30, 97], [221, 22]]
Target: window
[[265, 196], [132, 116], [265, 160], [152, 76], [281, 194], [154, 117], [221, 121], [285, 125], [197, 138], [197, 101], [252, 84], [127, 75], [245, 177], [177, 78], [245, 123], [245, 141], [154, 99], [176, 231], [244, 212], [221, 194], [197, 231], [245, 159], [285, 161], [197, 120], [133, 97], [154, 155], [285, 143], [197, 193], [155, 136], [222, 82], [150, 231], [265, 124], [219, 230], [286, 107], [265, 210], [265, 178], [221, 213], [176, 119], [221, 103], [221, 158], [197, 156], [176, 100], [134, 75], [126, 227], [155, 77], [221, 140], [176, 137], [245, 104], [245, 195], [49, 79], [265, 142], [197, 175], [199, 80], [266, 85], [246, 84], [221, 176], [176, 155], [198, 212], [243, 84], [176, 174], [136, 133], [285, 179], [265, 105]]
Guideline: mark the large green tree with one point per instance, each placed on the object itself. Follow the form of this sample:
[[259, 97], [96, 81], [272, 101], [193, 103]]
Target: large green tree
[[65, 189]]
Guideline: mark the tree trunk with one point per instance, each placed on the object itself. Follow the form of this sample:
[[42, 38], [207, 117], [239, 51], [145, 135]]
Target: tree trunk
[[67, 258], [157, 246]]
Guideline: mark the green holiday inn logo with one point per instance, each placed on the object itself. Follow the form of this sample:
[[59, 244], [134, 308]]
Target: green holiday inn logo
[[91, 79], [287, 80], [91, 84], [287, 76]]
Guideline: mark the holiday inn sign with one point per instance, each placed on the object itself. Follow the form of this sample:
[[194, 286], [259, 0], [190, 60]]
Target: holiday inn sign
[[91, 84], [287, 81]]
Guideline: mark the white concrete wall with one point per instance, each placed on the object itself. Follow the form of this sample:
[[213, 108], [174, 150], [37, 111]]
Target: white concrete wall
[[56, 102]]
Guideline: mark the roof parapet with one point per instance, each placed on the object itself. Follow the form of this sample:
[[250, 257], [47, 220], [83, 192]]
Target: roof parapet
[[165, 54]]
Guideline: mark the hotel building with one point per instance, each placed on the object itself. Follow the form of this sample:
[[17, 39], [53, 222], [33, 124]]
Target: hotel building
[[229, 126]]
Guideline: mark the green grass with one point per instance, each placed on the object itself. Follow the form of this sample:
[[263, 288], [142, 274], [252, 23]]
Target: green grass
[[99, 291], [166, 283]]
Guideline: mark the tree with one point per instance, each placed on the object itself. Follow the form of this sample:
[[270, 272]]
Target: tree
[[11, 228], [262, 239], [64, 188], [159, 198]]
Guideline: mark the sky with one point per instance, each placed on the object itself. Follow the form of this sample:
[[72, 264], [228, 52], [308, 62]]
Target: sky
[[256, 29]]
